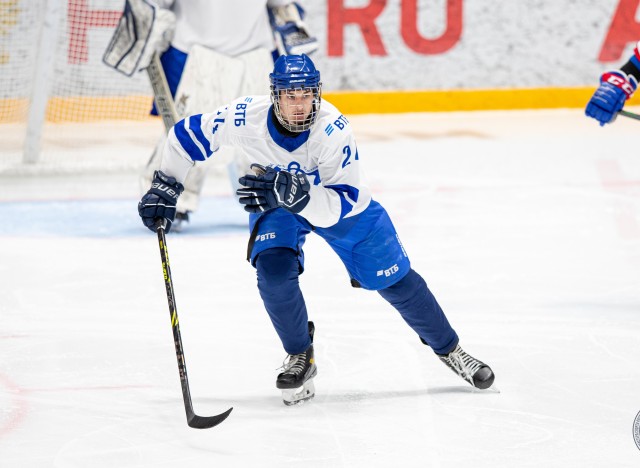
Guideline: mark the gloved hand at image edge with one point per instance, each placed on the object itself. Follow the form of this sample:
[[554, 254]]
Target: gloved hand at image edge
[[616, 87]]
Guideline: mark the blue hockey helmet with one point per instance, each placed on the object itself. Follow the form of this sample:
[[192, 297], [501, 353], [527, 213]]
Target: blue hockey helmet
[[291, 73]]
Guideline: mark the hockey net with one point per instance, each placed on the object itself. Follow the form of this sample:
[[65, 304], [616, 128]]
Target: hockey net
[[51, 71]]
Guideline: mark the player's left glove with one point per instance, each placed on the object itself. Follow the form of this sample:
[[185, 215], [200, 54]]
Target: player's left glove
[[615, 88], [270, 189]]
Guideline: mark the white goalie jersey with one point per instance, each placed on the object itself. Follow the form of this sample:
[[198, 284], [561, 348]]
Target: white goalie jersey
[[231, 28], [327, 153]]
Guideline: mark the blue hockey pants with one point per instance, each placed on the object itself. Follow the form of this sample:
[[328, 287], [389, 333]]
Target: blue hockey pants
[[278, 270]]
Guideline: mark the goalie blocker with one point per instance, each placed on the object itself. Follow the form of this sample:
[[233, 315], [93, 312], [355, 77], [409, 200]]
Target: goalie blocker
[[290, 31], [142, 30]]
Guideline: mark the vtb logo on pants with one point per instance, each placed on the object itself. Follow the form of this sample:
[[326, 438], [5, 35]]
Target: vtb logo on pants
[[389, 271]]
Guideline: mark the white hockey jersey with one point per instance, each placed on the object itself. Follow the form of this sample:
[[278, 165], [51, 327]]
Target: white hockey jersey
[[327, 153], [228, 27]]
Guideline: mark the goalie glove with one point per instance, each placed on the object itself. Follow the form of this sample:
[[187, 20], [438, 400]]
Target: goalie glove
[[270, 189], [142, 30], [615, 88], [160, 201], [291, 33]]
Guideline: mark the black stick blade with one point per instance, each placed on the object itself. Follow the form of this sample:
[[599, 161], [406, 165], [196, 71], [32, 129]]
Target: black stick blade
[[205, 422]]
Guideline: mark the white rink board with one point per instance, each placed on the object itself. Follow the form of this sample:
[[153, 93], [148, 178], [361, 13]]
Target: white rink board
[[548, 43], [503, 44]]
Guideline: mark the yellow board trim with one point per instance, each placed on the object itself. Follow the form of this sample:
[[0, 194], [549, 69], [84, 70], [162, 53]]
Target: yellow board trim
[[86, 109], [394, 102]]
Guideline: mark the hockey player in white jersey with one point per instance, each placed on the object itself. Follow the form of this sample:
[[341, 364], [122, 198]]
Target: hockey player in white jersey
[[211, 53], [303, 175]]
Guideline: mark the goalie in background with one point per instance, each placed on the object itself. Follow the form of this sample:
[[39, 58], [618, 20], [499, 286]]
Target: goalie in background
[[211, 53], [616, 87]]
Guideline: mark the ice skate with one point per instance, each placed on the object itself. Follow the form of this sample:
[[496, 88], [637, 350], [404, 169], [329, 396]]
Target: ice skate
[[296, 379], [180, 221], [476, 372]]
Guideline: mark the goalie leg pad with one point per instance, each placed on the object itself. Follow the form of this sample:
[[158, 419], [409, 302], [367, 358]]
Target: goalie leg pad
[[190, 198], [211, 79], [193, 184], [146, 175]]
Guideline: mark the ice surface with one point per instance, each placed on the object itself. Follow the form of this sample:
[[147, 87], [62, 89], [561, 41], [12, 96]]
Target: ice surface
[[526, 225]]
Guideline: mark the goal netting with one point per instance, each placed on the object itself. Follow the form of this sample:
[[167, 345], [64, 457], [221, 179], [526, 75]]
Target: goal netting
[[61, 108]]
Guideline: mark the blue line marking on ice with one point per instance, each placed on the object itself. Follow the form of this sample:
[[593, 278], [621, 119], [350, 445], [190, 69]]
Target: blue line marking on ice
[[112, 218]]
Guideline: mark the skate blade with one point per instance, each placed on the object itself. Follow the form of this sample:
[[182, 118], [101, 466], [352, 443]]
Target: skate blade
[[294, 396], [178, 226], [492, 389]]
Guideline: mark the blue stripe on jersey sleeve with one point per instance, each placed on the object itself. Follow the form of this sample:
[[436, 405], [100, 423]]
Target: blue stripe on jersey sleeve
[[345, 192], [195, 125], [187, 143]]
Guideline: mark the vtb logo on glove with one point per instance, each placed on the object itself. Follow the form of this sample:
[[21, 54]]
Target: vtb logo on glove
[[269, 189]]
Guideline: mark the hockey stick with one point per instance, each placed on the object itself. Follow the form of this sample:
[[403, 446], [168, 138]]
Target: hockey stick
[[161, 94], [165, 105], [193, 420], [631, 115]]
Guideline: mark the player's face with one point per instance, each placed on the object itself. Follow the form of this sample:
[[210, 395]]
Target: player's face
[[296, 105]]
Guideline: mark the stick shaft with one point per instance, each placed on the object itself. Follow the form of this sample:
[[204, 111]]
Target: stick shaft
[[631, 115], [193, 420], [161, 93], [175, 325]]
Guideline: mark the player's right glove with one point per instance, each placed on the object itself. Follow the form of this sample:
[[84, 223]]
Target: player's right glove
[[160, 201], [615, 88], [270, 189]]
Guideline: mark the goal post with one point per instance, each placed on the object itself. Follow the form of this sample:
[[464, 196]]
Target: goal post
[[42, 78]]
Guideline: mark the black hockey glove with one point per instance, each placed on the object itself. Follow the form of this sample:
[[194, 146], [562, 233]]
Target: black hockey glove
[[160, 201], [272, 189]]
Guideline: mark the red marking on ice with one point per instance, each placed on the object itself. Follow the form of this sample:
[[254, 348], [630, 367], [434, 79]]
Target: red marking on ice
[[19, 406], [447, 188], [613, 180], [85, 388]]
